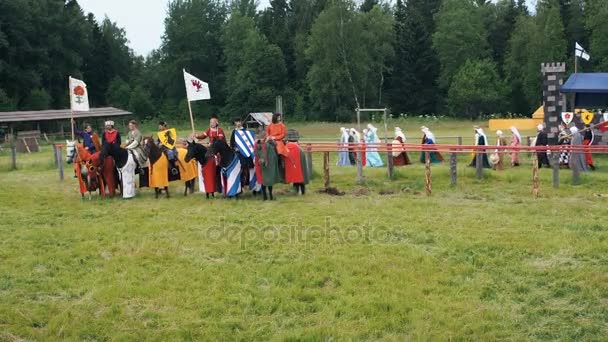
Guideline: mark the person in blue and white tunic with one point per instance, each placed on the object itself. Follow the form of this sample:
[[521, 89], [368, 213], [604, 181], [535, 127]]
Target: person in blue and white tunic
[[242, 142]]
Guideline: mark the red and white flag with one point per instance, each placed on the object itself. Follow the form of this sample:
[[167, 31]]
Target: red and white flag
[[79, 96], [196, 89]]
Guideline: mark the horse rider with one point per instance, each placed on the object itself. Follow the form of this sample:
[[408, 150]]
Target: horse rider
[[242, 142], [214, 132], [171, 153], [110, 134], [90, 139], [134, 143]]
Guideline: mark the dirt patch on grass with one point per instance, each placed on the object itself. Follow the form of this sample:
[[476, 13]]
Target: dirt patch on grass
[[331, 191]]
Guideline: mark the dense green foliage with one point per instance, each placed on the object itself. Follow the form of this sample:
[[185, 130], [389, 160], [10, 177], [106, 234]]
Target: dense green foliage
[[325, 57]]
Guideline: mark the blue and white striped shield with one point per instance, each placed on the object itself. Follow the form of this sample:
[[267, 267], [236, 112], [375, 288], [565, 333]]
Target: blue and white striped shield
[[244, 142]]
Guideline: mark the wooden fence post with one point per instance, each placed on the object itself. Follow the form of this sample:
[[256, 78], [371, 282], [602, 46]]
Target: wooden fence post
[[535, 175], [459, 140], [309, 160], [389, 162], [55, 160], [59, 161], [359, 165], [479, 163], [576, 172], [13, 150], [453, 169], [555, 158], [326, 169], [427, 173], [13, 157]]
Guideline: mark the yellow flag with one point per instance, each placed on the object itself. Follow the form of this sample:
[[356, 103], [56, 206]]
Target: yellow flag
[[168, 138]]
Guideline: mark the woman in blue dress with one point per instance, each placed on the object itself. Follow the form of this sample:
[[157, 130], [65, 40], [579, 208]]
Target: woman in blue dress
[[371, 154]]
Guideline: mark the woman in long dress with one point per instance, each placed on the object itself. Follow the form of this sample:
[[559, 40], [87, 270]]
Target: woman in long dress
[[497, 158], [359, 145], [429, 139], [343, 156], [480, 140], [515, 142], [577, 158], [372, 155], [400, 156]]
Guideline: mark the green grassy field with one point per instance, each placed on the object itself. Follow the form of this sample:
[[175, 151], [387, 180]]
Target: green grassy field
[[479, 261]]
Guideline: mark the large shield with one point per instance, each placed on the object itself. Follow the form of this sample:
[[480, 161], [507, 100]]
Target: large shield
[[168, 138], [587, 117], [567, 117]]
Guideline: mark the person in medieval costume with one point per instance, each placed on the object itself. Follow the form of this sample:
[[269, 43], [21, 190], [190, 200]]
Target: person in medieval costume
[[542, 141], [134, 143], [360, 145], [242, 142], [497, 158], [480, 140], [276, 132], [296, 170], [213, 133], [428, 138], [110, 136], [266, 164], [90, 139], [588, 139], [563, 139], [372, 155], [343, 153], [515, 142], [352, 154], [577, 158], [400, 156], [169, 149]]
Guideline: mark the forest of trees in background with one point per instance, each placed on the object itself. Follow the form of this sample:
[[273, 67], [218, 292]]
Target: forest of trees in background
[[325, 57]]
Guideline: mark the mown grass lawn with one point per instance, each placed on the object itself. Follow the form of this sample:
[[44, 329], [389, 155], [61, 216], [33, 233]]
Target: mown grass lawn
[[480, 261]]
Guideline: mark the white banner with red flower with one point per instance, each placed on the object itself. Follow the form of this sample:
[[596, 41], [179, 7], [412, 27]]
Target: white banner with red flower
[[79, 96]]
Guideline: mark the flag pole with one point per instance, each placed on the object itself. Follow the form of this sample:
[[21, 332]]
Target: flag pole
[[191, 117], [71, 111], [189, 106]]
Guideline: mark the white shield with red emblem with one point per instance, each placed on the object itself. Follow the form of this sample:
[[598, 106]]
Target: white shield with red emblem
[[567, 117]]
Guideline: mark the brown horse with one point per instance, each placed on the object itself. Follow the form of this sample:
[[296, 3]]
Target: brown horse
[[88, 169]]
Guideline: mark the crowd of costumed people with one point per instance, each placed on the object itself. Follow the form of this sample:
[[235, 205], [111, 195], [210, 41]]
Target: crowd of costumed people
[[254, 160], [495, 158], [257, 160]]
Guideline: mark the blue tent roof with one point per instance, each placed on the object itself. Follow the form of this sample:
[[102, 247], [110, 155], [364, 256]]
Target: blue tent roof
[[586, 83]]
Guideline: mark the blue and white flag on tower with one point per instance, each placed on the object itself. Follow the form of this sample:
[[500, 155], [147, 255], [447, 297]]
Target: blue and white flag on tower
[[231, 178], [580, 52], [244, 142]]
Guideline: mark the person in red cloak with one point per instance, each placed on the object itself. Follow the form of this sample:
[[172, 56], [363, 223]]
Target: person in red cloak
[[296, 171], [213, 133]]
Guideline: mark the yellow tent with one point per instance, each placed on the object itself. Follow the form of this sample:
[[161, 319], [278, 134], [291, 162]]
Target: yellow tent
[[539, 113]]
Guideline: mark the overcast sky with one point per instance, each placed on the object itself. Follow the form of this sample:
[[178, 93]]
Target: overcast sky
[[142, 19]]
